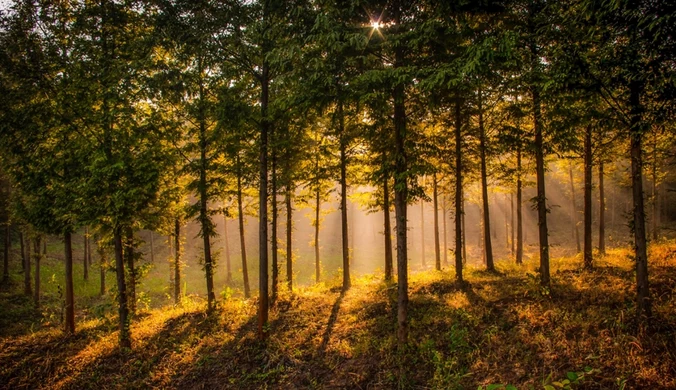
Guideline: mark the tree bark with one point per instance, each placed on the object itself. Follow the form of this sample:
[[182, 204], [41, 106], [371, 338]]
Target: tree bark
[[588, 261], [643, 304], [103, 263], [123, 310], [573, 218], [488, 246], [541, 196], [84, 257], [5, 264], [444, 214], [38, 257], [152, 248], [275, 215], [70, 301], [228, 266], [387, 228], [459, 228], [343, 198], [519, 213], [511, 223], [317, 214], [242, 243], [602, 212], [435, 201], [422, 232], [131, 269], [26, 257], [653, 189], [177, 261], [263, 302], [289, 237]]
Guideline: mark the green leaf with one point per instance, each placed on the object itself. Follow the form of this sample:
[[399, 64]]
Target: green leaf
[[510, 387], [572, 376], [549, 387], [494, 386]]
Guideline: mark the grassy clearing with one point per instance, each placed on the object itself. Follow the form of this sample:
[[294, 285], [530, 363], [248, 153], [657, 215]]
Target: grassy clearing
[[498, 329]]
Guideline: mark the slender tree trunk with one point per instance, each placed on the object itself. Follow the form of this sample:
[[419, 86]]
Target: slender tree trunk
[[343, 198], [289, 237], [85, 262], [177, 261], [573, 221], [541, 196], [653, 188], [5, 264], [464, 230], [103, 263], [275, 215], [643, 304], [70, 301], [435, 200], [400, 195], [519, 213], [511, 222], [26, 257], [317, 213], [488, 246], [444, 214], [263, 302], [89, 249], [38, 257], [228, 266], [131, 269], [588, 261], [422, 232], [242, 243], [387, 227], [459, 214], [602, 212], [123, 310], [152, 247]]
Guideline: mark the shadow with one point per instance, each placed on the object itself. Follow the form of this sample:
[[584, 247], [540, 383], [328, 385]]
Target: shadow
[[331, 323]]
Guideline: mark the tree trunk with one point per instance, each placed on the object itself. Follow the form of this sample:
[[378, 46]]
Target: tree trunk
[[459, 228], [588, 199], [541, 196], [89, 249], [152, 247], [643, 304], [602, 212], [228, 266], [464, 230], [422, 233], [26, 257], [103, 263], [131, 269], [177, 261], [85, 262], [387, 227], [204, 218], [289, 237], [123, 310], [435, 201], [38, 257], [242, 243], [488, 246], [343, 198], [653, 189], [5, 263], [275, 215], [573, 218], [317, 213], [444, 214], [263, 302], [70, 301], [519, 214], [511, 222]]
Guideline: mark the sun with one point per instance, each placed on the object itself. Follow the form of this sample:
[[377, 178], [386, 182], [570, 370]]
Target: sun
[[376, 24]]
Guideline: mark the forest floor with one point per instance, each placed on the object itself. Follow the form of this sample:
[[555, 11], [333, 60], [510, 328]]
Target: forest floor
[[497, 329]]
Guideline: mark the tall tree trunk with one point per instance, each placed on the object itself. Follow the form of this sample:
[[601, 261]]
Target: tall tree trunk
[[85, 262], [275, 216], [131, 269], [263, 302], [422, 232], [602, 212], [400, 194], [459, 228], [26, 257], [5, 263], [511, 222], [653, 188], [103, 263], [152, 248], [228, 266], [387, 228], [588, 261], [38, 257], [643, 304], [289, 237], [317, 213], [519, 213], [573, 218], [435, 201], [541, 195], [89, 249], [123, 310], [242, 243], [444, 214], [464, 229], [343, 198], [70, 301], [488, 246], [204, 218], [177, 261]]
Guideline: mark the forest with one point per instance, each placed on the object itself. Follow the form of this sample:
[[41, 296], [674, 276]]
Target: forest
[[423, 194]]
